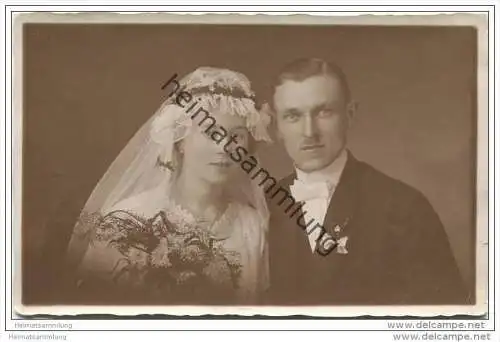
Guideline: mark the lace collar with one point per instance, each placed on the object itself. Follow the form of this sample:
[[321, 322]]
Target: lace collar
[[184, 219]]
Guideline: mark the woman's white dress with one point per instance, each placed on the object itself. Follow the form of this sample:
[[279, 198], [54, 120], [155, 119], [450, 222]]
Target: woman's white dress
[[245, 246]]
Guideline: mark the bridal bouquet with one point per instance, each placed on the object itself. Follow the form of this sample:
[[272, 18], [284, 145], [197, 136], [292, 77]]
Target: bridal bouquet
[[166, 260]]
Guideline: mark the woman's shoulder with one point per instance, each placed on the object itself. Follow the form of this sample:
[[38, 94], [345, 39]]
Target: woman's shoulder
[[247, 214], [242, 208]]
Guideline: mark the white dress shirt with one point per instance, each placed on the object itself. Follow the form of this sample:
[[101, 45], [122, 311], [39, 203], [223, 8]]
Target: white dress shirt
[[316, 189]]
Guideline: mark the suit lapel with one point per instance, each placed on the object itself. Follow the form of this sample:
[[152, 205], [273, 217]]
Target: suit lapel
[[298, 273], [300, 240], [341, 208], [326, 275], [290, 252]]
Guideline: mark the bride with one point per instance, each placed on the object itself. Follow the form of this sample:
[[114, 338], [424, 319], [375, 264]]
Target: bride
[[174, 220]]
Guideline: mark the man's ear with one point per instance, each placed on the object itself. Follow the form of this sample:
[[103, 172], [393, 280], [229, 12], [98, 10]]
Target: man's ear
[[352, 108], [273, 125]]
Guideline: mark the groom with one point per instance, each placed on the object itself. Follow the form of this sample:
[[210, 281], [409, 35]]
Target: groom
[[390, 245]]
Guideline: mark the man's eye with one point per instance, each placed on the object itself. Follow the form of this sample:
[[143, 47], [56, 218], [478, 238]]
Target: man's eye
[[291, 116], [327, 112]]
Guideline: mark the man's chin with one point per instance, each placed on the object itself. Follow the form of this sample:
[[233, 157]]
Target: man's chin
[[313, 165]]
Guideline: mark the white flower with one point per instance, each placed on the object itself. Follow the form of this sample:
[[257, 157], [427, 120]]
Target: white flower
[[159, 257], [138, 257], [218, 271], [342, 245], [185, 276]]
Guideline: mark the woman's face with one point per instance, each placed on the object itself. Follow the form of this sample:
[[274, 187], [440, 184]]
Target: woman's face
[[212, 138]]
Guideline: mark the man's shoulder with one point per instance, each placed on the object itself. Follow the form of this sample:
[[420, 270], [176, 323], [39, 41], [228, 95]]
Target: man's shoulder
[[381, 183], [388, 192], [375, 188]]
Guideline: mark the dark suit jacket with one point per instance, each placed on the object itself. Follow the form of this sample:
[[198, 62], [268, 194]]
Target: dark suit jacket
[[398, 251]]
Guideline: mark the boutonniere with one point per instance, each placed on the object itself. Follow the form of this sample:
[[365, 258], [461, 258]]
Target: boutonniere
[[341, 241], [333, 240], [341, 245]]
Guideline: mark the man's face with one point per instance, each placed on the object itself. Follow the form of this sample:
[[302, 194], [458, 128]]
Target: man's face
[[312, 120]]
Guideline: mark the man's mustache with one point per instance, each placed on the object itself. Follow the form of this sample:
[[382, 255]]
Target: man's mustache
[[316, 142]]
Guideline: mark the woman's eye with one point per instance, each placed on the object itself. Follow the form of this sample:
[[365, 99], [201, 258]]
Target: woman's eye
[[242, 137], [238, 136]]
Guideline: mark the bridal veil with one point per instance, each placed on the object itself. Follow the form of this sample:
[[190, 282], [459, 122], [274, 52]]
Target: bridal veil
[[136, 169]]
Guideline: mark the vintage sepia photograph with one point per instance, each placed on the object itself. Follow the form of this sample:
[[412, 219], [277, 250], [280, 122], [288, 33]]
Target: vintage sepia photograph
[[259, 168]]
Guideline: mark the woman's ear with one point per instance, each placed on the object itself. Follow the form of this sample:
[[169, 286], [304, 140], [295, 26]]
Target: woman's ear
[[178, 154], [180, 147]]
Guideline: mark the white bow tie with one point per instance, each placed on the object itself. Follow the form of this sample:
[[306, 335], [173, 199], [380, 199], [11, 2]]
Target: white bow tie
[[303, 191]]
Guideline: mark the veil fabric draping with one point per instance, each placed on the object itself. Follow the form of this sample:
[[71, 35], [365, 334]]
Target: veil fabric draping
[[135, 170]]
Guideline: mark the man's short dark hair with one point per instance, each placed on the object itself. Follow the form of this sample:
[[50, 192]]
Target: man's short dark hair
[[303, 68]]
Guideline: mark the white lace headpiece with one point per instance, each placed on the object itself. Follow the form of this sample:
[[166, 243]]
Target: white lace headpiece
[[228, 91]]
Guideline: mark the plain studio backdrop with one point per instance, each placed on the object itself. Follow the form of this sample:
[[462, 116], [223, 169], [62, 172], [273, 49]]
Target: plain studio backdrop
[[89, 87]]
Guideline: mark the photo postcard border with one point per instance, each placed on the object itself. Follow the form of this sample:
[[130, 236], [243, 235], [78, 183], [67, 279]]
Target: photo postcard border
[[193, 317]]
